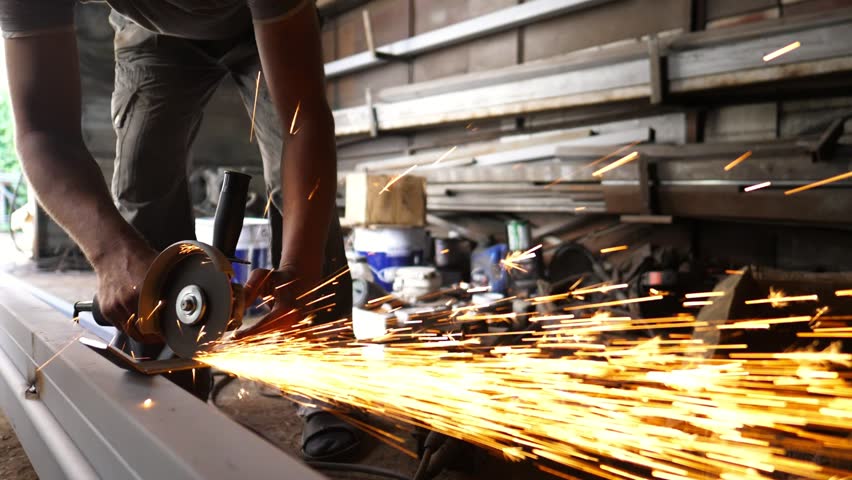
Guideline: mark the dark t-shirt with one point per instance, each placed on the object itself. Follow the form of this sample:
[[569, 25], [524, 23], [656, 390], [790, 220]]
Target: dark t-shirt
[[198, 19]]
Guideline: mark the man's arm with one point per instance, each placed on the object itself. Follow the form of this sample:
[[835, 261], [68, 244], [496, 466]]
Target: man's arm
[[44, 83], [292, 63]]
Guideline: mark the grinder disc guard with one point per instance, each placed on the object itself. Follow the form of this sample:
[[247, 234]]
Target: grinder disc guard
[[193, 282]]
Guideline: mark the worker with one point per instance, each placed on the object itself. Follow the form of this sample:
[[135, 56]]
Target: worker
[[170, 56]]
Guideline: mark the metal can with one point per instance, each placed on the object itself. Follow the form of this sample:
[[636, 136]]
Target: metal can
[[519, 235]]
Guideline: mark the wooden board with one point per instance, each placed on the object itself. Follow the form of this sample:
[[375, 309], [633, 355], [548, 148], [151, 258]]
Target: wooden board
[[403, 203]]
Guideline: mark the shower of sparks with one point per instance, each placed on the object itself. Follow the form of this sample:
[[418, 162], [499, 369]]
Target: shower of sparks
[[187, 248], [781, 51], [757, 186], [663, 405], [618, 248], [295, 115], [612, 166], [445, 155], [148, 403], [396, 179], [513, 259], [254, 106], [819, 183], [738, 160]]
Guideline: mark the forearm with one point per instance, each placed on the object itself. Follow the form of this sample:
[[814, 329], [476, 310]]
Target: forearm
[[70, 186], [309, 179]]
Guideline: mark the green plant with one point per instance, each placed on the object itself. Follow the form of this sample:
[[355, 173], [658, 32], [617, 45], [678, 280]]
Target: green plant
[[8, 156]]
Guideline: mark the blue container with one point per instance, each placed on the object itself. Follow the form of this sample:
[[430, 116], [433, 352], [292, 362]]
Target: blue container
[[388, 248], [253, 245], [486, 270]]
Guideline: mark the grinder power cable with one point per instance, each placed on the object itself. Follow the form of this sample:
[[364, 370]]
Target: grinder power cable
[[189, 297]]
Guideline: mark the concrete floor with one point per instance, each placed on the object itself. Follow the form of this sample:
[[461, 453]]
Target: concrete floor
[[272, 417]]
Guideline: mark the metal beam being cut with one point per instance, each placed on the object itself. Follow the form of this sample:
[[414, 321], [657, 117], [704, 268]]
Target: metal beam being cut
[[80, 417]]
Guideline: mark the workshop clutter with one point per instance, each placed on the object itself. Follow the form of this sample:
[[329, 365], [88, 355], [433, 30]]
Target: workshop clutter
[[253, 245], [387, 248]]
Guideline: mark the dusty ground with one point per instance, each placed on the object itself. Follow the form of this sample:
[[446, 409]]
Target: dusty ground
[[273, 418], [14, 464]]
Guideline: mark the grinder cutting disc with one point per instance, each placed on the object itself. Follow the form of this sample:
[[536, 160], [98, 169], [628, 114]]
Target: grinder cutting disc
[[193, 282]]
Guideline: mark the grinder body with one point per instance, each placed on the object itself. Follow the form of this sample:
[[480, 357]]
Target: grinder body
[[188, 298]]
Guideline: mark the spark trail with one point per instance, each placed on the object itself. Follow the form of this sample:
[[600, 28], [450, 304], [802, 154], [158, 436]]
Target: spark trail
[[665, 406]]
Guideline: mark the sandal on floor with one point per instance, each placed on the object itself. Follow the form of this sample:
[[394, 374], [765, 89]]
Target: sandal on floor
[[328, 438]]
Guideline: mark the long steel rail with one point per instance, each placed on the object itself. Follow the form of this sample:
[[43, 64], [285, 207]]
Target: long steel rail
[[80, 417]]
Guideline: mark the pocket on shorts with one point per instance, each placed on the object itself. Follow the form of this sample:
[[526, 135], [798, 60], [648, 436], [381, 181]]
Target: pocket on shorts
[[121, 106]]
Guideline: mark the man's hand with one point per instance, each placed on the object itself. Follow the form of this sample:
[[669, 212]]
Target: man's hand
[[120, 276], [280, 288]]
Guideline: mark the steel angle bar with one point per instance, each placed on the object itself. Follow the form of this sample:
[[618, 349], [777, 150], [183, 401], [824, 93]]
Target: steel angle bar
[[621, 81], [550, 150], [483, 25], [691, 67], [817, 43], [87, 418]]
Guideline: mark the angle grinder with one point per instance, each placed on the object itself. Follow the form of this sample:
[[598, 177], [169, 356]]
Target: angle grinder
[[189, 298]]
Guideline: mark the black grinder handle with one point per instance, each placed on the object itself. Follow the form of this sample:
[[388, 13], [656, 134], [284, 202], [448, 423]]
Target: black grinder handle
[[230, 212], [92, 306]]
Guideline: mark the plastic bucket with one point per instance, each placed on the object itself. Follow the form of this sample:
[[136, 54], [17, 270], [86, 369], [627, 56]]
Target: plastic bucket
[[253, 245], [388, 248]]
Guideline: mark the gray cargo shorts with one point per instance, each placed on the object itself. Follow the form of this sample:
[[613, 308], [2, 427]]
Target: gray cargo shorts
[[162, 84]]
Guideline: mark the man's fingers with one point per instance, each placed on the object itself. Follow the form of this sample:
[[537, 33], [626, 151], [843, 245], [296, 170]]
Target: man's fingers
[[276, 320], [257, 285]]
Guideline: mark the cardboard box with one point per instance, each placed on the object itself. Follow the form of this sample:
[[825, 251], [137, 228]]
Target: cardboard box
[[403, 203]]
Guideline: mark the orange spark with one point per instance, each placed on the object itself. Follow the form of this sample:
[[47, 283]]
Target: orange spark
[[738, 160], [148, 403], [513, 259], [843, 293], [704, 294], [613, 153], [254, 107], [698, 303], [396, 179], [268, 204], [618, 248], [445, 155], [311, 195], [757, 186], [819, 183], [295, 115], [615, 303], [781, 51], [612, 166], [781, 300]]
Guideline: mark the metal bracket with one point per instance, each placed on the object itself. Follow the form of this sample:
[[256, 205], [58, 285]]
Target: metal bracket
[[371, 45], [146, 367], [823, 149], [658, 65], [371, 112]]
